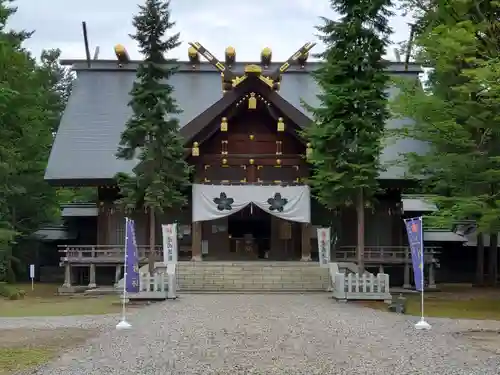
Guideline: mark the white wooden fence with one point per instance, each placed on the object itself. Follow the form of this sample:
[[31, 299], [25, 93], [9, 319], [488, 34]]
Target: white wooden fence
[[360, 287], [151, 287]]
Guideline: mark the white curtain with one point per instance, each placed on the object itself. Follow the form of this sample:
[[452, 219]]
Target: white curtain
[[287, 202]]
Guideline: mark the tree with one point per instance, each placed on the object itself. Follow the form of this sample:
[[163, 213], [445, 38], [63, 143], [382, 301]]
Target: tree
[[27, 116], [162, 173], [457, 116], [349, 121]]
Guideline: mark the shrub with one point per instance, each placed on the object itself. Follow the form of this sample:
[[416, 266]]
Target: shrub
[[11, 292]]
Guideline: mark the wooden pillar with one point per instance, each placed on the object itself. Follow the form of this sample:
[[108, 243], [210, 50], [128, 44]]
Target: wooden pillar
[[196, 241], [118, 273], [480, 259], [306, 242], [493, 260], [92, 283], [432, 278], [276, 247], [406, 282]]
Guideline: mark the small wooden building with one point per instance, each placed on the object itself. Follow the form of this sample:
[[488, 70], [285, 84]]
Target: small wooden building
[[243, 136]]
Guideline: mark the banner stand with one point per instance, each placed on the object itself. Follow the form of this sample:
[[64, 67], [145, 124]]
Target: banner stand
[[123, 324], [415, 231]]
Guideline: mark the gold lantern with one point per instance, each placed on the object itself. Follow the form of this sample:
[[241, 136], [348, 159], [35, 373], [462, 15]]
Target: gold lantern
[[223, 124], [195, 151], [281, 125]]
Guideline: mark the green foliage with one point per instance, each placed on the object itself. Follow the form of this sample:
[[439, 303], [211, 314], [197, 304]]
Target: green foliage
[[349, 121], [30, 108], [11, 292], [152, 133], [458, 113]]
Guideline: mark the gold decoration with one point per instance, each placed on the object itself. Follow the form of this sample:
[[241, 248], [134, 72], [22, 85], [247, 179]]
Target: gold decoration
[[267, 52], [281, 125], [121, 54], [251, 161], [192, 52], [267, 81], [230, 55], [252, 68], [224, 161], [252, 137], [223, 124], [195, 151], [265, 56], [224, 147], [244, 180], [309, 150], [278, 162], [252, 101]]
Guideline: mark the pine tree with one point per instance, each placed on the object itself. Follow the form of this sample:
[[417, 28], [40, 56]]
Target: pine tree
[[457, 116], [349, 121], [162, 174]]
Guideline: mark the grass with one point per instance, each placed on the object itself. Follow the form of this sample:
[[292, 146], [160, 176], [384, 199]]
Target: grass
[[453, 302], [22, 349], [43, 301]]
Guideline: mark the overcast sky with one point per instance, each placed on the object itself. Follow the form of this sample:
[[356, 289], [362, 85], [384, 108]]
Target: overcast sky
[[247, 25]]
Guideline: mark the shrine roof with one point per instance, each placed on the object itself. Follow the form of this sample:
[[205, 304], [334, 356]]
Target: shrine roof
[[97, 110]]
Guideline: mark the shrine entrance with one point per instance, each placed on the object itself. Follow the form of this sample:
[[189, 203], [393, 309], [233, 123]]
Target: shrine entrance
[[252, 222]]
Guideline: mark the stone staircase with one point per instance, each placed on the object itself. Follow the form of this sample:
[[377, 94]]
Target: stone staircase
[[250, 276], [254, 276]]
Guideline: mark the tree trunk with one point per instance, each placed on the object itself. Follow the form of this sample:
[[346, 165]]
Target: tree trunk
[[360, 213], [152, 241], [480, 260], [493, 261]]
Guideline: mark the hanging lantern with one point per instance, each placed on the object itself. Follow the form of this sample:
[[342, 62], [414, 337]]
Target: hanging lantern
[[223, 124], [195, 151], [281, 125], [309, 151], [252, 101]]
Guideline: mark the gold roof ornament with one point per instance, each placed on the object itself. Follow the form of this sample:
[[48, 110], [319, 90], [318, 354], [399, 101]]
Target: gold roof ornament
[[230, 55], [121, 54], [194, 56], [266, 56]]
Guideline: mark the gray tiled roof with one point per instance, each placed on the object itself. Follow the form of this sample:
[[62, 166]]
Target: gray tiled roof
[[95, 116]]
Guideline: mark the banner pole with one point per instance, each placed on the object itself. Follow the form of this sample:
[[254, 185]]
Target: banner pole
[[422, 324], [123, 324]]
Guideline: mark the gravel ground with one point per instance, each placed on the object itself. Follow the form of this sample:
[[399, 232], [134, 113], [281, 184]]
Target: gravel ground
[[273, 334]]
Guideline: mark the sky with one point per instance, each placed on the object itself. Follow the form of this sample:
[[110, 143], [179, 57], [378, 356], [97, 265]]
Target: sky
[[247, 25]]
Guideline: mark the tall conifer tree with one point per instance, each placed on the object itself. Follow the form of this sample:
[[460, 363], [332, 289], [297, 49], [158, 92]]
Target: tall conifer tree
[[162, 173], [349, 121]]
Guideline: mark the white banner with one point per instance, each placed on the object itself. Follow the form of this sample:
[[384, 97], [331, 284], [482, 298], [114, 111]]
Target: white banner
[[324, 247], [170, 248], [287, 202]]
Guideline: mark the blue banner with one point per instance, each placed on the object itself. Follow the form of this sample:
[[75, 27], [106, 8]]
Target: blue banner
[[131, 258], [415, 233]]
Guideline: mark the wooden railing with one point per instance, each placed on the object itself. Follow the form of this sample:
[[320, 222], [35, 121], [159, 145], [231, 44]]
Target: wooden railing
[[383, 254], [103, 253]]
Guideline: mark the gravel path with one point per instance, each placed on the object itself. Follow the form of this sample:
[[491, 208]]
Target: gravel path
[[275, 334]]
